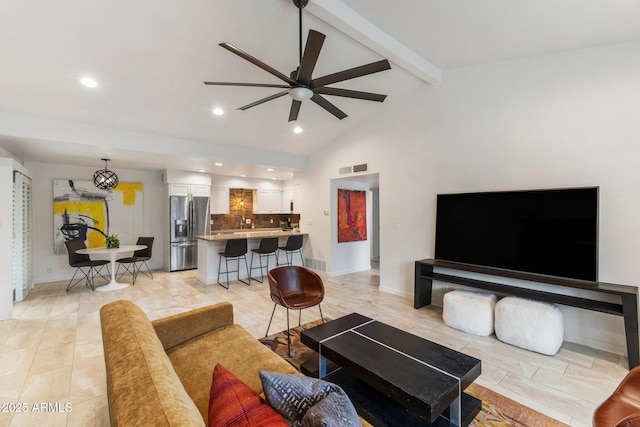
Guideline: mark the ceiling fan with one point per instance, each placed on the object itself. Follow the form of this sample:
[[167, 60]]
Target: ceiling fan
[[300, 85]]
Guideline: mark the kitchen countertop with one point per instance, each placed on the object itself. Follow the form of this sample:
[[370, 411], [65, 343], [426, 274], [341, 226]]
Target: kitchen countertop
[[252, 233]]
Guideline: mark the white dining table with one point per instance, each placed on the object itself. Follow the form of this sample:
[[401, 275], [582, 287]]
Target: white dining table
[[113, 255]]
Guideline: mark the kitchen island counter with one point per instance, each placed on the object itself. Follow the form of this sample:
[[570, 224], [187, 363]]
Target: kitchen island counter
[[252, 233], [211, 245]]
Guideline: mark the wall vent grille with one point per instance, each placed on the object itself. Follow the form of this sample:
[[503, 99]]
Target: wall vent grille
[[360, 168], [316, 264], [353, 169]]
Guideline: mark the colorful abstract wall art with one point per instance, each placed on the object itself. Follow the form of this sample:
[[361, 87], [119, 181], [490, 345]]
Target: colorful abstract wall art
[[82, 211], [352, 215]]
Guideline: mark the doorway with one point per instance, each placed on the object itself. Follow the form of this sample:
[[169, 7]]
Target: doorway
[[357, 256], [375, 227]]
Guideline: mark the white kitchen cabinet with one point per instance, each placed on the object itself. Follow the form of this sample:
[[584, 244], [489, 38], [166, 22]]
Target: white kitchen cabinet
[[200, 190], [267, 201], [178, 190], [186, 189], [219, 200]]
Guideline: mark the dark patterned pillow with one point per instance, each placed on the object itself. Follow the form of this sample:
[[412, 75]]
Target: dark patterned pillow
[[305, 401]]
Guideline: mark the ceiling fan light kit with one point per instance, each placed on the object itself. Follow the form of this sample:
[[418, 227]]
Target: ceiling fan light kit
[[300, 85], [300, 93]]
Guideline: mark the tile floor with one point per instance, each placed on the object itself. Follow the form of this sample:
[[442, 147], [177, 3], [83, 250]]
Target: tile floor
[[51, 360]]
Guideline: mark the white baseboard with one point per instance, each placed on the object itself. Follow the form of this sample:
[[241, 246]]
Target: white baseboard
[[349, 271], [52, 278], [397, 292]]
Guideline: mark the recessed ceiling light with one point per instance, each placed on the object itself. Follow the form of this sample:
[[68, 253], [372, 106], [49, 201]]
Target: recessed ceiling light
[[274, 178], [270, 170], [201, 170], [89, 82], [297, 129], [218, 111], [218, 164], [243, 176]]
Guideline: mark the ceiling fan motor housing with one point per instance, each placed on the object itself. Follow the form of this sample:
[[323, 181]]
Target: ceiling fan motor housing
[[301, 3]]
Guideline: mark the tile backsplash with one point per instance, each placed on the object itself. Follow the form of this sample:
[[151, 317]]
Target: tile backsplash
[[232, 221]]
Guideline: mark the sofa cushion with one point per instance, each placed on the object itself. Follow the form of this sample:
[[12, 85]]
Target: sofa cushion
[[233, 403], [235, 349], [306, 401], [142, 385], [175, 330]]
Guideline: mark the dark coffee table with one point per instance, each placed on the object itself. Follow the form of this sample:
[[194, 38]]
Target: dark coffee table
[[391, 376]]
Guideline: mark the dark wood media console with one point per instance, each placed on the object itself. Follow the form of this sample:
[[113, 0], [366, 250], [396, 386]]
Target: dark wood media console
[[628, 307]]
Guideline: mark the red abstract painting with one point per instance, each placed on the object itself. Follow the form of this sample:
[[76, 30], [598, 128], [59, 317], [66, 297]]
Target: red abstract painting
[[352, 216]]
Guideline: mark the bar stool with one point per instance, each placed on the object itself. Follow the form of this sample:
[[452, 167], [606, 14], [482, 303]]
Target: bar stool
[[268, 246], [294, 244], [234, 249]]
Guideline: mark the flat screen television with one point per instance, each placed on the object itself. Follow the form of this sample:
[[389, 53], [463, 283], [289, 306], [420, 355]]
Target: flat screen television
[[552, 232]]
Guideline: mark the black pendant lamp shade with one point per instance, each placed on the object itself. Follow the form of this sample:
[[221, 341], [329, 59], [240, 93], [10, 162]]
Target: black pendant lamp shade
[[104, 178]]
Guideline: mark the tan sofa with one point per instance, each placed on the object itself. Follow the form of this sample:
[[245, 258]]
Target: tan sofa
[[159, 373]]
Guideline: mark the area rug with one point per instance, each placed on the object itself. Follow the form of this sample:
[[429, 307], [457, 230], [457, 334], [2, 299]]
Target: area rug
[[497, 410]]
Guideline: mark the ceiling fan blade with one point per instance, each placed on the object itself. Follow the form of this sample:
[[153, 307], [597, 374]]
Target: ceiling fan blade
[[351, 73], [257, 62], [263, 100], [315, 41], [246, 84], [328, 106], [295, 109], [367, 96]]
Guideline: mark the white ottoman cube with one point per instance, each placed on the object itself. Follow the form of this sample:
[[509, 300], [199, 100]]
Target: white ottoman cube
[[532, 325], [470, 312]]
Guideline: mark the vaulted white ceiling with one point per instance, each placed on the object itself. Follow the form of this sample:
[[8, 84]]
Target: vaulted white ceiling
[[152, 111]]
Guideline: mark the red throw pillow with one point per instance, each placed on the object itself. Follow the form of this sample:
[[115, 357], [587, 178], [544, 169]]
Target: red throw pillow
[[233, 403]]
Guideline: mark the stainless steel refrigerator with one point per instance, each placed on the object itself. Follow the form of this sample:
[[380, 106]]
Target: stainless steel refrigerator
[[189, 217]]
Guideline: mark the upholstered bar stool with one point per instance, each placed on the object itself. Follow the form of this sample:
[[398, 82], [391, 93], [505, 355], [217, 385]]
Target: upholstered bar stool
[[268, 246], [293, 245], [234, 249]]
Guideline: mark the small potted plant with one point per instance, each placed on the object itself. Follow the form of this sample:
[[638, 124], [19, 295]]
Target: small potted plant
[[112, 241]]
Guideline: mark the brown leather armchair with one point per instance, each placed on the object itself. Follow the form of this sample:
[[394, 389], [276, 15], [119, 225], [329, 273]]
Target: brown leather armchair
[[622, 408], [294, 288]]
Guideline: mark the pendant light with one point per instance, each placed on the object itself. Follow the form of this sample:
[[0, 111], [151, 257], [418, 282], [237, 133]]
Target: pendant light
[[105, 179]]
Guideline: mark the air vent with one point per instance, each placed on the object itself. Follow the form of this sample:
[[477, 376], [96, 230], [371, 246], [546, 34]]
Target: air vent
[[353, 169], [316, 264], [360, 168]]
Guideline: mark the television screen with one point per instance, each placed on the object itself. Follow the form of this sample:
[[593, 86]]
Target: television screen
[[552, 232]]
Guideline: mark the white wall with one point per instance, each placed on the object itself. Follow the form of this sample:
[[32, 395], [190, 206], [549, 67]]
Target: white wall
[[560, 120], [248, 183], [50, 267]]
